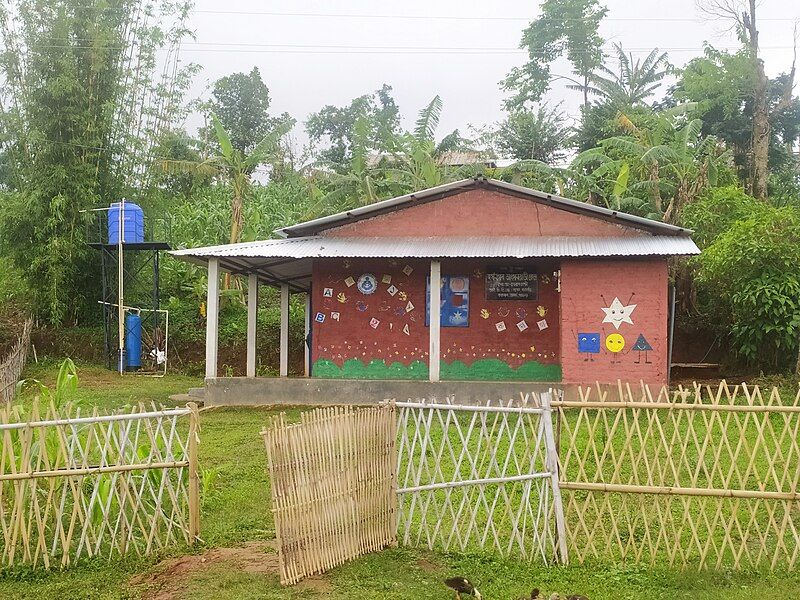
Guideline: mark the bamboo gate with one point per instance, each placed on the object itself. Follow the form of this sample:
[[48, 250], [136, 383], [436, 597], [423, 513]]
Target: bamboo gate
[[96, 485], [12, 365], [332, 482], [701, 477]]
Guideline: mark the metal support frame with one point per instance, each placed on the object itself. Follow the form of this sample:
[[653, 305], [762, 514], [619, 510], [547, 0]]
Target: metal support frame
[[140, 290]]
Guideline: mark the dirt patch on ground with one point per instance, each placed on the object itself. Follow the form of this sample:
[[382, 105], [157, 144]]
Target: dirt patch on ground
[[168, 579], [427, 566]]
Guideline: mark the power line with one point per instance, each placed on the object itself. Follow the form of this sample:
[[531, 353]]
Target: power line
[[237, 47], [461, 17], [333, 15]]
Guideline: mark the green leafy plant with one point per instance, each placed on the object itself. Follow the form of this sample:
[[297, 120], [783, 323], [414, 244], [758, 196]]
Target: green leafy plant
[[750, 277]]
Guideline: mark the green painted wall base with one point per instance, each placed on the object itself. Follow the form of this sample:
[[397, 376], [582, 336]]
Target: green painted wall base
[[494, 369], [489, 369]]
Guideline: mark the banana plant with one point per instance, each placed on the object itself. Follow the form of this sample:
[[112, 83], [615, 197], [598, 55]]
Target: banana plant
[[234, 167], [653, 171]]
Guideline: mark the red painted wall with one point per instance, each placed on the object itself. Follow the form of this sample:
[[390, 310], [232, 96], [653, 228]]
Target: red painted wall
[[514, 347], [352, 336], [480, 213], [589, 285]]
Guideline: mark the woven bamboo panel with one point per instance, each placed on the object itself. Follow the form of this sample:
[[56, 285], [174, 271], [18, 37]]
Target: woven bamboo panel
[[332, 478], [74, 485], [702, 476], [475, 478], [12, 365]]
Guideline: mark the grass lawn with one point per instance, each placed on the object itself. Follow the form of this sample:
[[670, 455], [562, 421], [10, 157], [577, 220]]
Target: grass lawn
[[237, 527]]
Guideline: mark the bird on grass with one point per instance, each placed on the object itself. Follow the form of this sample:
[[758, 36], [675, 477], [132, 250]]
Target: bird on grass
[[462, 585], [534, 595]]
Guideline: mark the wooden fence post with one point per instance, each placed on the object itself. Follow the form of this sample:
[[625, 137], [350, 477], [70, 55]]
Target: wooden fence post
[[551, 462], [194, 480]]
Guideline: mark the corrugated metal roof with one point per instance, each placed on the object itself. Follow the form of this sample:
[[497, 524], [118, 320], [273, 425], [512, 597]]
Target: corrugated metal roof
[[385, 206], [290, 260], [452, 247]]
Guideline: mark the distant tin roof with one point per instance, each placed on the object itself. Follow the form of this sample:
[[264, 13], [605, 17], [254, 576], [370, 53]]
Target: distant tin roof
[[289, 260], [386, 206]]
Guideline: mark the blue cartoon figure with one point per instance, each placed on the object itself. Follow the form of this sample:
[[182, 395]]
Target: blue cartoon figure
[[642, 345], [588, 344]]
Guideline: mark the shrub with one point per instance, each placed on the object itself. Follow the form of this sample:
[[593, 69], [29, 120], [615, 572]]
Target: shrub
[[750, 277], [717, 211]]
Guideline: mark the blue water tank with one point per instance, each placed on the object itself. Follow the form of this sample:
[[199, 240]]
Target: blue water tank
[[133, 342], [132, 223]]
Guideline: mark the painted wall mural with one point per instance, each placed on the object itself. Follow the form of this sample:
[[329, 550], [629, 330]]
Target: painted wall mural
[[454, 307], [381, 331], [589, 344], [617, 313], [621, 339]]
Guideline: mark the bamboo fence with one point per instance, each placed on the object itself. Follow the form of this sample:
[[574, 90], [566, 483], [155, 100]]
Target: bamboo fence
[[11, 367], [480, 477], [332, 480], [97, 485], [702, 476]]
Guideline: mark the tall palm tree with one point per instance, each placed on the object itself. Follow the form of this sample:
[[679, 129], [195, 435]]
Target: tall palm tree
[[636, 80]]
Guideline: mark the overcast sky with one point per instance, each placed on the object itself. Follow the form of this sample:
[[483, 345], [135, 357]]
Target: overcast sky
[[459, 49]]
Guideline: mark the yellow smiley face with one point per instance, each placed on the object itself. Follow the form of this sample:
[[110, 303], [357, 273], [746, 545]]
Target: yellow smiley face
[[615, 343]]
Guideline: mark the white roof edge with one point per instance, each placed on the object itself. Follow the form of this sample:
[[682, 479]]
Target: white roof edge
[[468, 247]]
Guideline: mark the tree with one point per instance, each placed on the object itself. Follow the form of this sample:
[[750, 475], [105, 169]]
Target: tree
[[742, 15], [416, 152], [83, 108], [232, 166], [177, 145], [241, 103], [722, 87], [564, 27], [417, 160], [334, 126], [635, 81], [540, 134], [360, 184]]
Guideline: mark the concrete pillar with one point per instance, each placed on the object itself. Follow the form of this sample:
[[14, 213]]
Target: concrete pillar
[[435, 320], [252, 317], [212, 318], [307, 319], [284, 367]]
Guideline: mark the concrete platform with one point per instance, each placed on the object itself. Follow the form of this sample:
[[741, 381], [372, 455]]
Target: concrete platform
[[267, 391]]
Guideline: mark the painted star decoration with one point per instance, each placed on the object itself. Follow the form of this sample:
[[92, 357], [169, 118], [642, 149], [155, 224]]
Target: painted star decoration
[[617, 313]]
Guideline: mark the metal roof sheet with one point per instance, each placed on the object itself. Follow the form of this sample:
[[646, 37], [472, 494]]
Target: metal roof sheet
[[290, 260], [385, 206], [451, 247]]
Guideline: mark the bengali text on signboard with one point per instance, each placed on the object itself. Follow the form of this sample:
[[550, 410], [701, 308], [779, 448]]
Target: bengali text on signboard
[[510, 283]]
